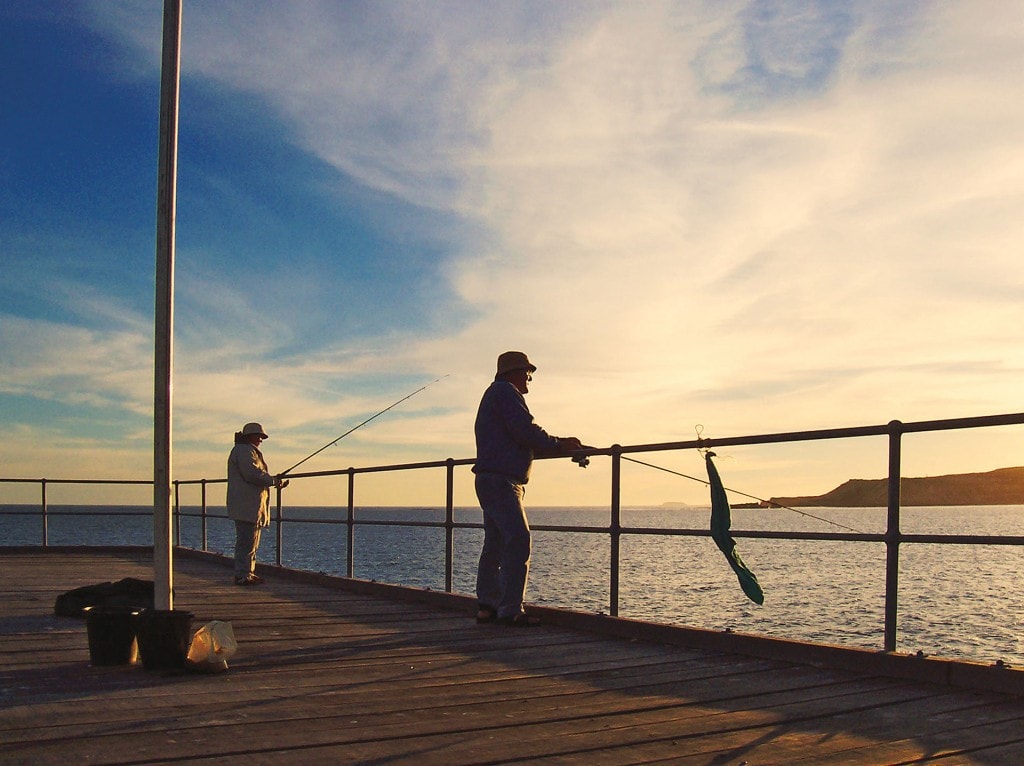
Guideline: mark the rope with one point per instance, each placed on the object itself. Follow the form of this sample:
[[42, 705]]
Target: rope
[[737, 492]]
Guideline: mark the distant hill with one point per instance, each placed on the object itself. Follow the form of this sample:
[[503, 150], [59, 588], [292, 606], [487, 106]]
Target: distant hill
[[1004, 486]]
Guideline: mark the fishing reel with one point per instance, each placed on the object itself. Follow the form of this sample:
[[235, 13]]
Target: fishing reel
[[581, 460]]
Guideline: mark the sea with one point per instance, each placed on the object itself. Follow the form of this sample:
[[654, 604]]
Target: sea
[[955, 601]]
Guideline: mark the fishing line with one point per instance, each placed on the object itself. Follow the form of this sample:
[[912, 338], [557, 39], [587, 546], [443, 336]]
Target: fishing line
[[355, 428], [736, 491]]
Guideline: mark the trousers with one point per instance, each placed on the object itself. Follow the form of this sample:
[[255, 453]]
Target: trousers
[[247, 542], [505, 558]]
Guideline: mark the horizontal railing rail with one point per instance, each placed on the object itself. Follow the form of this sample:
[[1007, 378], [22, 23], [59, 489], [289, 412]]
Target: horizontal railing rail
[[45, 513], [892, 538]]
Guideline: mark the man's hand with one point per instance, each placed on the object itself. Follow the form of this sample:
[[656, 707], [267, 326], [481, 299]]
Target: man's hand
[[569, 444]]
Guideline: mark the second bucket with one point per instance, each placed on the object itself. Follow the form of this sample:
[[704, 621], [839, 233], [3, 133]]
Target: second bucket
[[163, 636]]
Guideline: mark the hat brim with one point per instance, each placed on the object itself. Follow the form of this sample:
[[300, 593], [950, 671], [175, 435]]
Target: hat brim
[[529, 368]]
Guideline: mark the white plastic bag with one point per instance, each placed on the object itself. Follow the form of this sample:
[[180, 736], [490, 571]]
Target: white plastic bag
[[211, 647]]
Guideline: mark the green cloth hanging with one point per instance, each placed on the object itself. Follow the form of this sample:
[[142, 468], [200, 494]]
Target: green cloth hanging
[[721, 520]]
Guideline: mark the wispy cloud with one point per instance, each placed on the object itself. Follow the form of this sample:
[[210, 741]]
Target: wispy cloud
[[755, 216]]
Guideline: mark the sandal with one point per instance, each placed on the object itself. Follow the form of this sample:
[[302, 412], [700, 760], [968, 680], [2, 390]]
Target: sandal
[[485, 614], [521, 620]]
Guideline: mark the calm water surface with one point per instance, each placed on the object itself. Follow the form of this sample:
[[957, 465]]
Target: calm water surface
[[954, 600]]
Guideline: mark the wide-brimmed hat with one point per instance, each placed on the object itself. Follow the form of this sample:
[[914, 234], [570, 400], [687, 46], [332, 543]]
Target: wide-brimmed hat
[[254, 428], [514, 360]]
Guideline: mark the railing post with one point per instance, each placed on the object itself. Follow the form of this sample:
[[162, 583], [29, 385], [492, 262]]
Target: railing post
[[46, 526], [892, 536], [615, 531], [202, 513], [280, 541], [449, 524], [177, 513], [351, 524]]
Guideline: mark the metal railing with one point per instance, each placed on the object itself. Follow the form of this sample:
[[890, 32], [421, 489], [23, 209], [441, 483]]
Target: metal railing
[[46, 514], [892, 538]]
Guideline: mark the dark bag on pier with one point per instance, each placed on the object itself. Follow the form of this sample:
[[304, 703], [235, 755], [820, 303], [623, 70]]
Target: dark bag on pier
[[127, 592]]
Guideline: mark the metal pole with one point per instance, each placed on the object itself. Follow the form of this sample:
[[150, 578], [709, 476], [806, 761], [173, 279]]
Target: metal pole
[[449, 525], [177, 513], [203, 513], [351, 523], [164, 320], [46, 525], [892, 537], [280, 541], [615, 530]]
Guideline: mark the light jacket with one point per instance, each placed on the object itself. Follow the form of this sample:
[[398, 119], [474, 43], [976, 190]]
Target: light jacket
[[248, 485]]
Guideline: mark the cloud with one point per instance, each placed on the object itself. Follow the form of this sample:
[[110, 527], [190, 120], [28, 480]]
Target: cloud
[[74, 365], [756, 216]]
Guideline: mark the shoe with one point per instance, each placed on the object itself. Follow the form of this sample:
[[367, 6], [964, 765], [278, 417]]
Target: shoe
[[255, 579], [521, 620], [485, 614], [250, 580]]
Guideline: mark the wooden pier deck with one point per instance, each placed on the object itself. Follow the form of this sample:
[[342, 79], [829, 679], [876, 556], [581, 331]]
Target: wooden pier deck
[[330, 675]]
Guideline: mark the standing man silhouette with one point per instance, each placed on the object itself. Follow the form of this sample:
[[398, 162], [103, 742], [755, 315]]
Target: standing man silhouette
[[507, 439]]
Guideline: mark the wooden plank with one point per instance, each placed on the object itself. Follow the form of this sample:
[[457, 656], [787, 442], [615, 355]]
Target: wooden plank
[[325, 675]]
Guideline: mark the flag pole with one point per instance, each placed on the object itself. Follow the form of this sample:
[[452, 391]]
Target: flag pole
[[164, 307]]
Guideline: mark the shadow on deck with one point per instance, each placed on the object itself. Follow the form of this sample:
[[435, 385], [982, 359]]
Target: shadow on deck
[[332, 671]]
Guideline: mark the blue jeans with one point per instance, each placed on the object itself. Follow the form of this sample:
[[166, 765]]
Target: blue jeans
[[247, 542], [505, 558]]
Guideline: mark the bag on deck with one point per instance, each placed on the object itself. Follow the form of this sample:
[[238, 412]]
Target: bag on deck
[[211, 647]]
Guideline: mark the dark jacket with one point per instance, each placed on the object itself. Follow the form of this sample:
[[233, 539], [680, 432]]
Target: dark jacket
[[506, 436]]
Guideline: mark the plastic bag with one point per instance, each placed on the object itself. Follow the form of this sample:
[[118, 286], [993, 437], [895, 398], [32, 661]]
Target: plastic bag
[[211, 647]]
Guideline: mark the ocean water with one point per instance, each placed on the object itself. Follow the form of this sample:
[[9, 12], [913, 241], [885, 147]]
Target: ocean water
[[955, 601]]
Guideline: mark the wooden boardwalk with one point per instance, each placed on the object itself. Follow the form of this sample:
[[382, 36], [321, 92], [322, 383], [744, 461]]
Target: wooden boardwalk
[[325, 675]]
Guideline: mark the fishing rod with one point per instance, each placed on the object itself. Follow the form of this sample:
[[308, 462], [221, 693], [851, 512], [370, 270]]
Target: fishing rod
[[356, 428], [752, 497]]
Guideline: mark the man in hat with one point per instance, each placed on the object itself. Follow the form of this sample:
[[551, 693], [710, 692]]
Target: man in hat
[[249, 486], [507, 439]]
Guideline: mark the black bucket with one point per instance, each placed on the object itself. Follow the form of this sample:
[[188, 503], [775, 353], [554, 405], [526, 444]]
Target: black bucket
[[163, 637], [111, 632]]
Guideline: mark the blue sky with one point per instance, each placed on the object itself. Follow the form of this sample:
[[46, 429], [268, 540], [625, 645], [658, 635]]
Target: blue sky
[[748, 216]]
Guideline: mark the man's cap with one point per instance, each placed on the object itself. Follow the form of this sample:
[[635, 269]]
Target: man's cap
[[254, 428], [514, 360]]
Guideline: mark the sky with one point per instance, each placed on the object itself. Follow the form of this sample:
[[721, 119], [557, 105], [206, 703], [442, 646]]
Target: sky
[[718, 218]]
